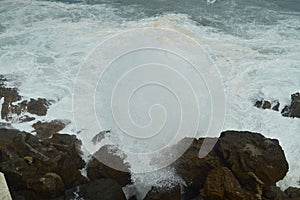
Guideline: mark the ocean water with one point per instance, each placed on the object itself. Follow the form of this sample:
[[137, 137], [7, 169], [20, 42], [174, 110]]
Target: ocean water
[[255, 45]]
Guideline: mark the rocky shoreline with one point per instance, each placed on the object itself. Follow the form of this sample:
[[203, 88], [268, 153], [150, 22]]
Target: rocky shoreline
[[242, 165], [49, 165]]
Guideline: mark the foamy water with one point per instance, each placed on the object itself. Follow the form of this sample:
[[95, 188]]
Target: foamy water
[[255, 46]]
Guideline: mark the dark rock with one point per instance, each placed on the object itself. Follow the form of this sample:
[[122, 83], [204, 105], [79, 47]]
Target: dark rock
[[47, 129], [100, 136], [292, 110], [276, 106], [274, 193], [192, 169], [104, 189], [248, 152], [43, 168], [38, 107], [222, 184], [26, 118], [266, 105], [97, 170], [158, 193], [258, 103], [293, 192], [242, 160]]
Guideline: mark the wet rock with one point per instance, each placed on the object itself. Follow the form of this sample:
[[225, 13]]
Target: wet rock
[[292, 110], [274, 193], [49, 185], [40, 169], [276, 105], [47, 129], [158, 193], [192, 169], [38, 107], [104, 189], [293, 192], [248, 152], [96, 169], [266, 105], [222, 184]]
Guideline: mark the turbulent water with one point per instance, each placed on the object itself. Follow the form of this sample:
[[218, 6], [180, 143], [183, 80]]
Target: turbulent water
[[254, 44]]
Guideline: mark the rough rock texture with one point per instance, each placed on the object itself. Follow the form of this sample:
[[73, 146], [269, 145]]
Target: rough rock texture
[[293, 192], [292, 110], [11, 107], [274, 193], [247, 152], [157, 193], [194, 170], [97, 170], [265, 104], [47, 129], [241, 166], [104, 189], [222, 184], [37, 169], [38, 106]]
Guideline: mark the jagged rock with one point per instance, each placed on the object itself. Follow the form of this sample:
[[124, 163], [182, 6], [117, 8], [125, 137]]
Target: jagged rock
[[104, 189], [248, 152], [255, 161], [192, 169], [47, 129], [96, 169], [222, 184], [264, 104], [292, 110], [158, 193], [38, 107], [293, 192], [40, 169], [274, 193], [276, 106]]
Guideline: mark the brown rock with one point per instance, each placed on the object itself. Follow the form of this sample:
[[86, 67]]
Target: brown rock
[[292, 110], [274, 193], [38, 169], [158, 193], [192, 169], [293, 192], [266, 105], [222, 184], [49, 185], [97, 170], [47, 129], [38, 107], [248, 152]]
